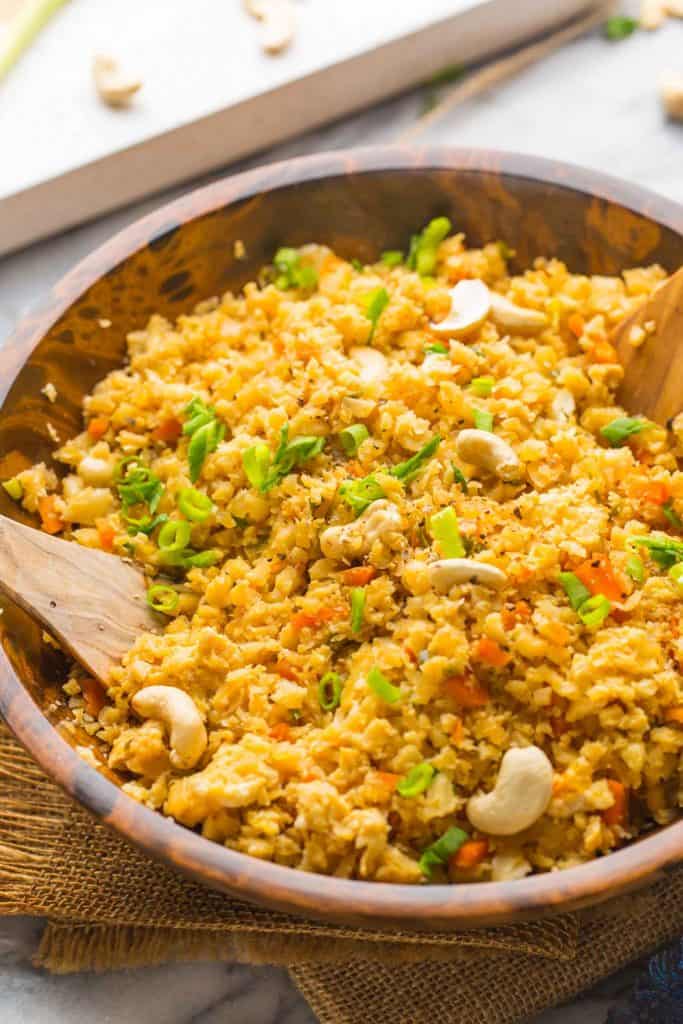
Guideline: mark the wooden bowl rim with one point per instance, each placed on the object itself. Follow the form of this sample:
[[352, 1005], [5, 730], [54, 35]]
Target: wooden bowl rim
[[370, 904]]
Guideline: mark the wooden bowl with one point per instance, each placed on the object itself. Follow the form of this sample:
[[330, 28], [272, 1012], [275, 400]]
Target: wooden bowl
[[360, 203]]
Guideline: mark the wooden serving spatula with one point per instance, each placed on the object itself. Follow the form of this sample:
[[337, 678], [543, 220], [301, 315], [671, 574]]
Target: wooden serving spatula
[[93, 603], [653, 377]]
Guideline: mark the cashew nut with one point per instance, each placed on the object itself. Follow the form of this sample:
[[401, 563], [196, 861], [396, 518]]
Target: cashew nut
[[652, 14], [380, 521], [520, 796], [114, 87], [562, 405], [671, 94], [516, 319], [178, 712], [488, 451], [470, 305], [445, 573], [674, 8], [372, 365], [279, 22]]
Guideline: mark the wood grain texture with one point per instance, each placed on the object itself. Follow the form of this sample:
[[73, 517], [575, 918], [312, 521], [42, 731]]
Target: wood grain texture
[[360, 202], [92, 602], [653, 378]]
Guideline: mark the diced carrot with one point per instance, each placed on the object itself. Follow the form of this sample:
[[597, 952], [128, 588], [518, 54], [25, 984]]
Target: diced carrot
[[48, 514], [411, 654], [657, 492], [617, 813], [602, 578], [471, 853], [557, 633], [106, 534], [280, 732], [466, 691], [354, 468], [511, 616], [358, 576], [674, 715], [287, 671], [576, 324], [560, 785], [168, 430], [98, 427], [388, 779], [603, 352], [304, 620], [490, 652], [93, 694], [457, 731]]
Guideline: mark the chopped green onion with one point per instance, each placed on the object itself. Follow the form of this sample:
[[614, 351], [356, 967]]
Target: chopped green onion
[[203, 442], [380, 685], [619, 27], [483, 420], [635, 569], [264, 474], [665, 551], [459, 477], [595, 610], [676, 574], [357, 265], [256, 463], [437, 349], [200, 559], [197, 414], [444, 529], [375, 304], [174, 535], [162, 598], [482, 386], [392, 258], [357, 609], [330, 691], [352, 437], [14, 488], [291, 272], [424, 247], [442, 850], [619, 430], [417, 780], [671, 514], [359, 494], [408, 470], [137, 484], [194, 505], [145, 524], [577, 593], [23, 28]]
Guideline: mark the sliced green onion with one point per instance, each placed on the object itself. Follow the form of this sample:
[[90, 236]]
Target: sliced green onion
[[595, 610], [424, 247], [483, 420], [264, 473], [200, 559], [577, 593], [676, 574], [23, 28], [392, 258], [194, 505], [256, 463], [357, 609], [671, 514], [380, 685], [292, 273], [408, 470], [137, 484], [352, 437], [145, 524], [330, 691], [14, 488], [417, 780], [204, 441], [437, 348], [442, 850], [375, 304], [359, 494], [174, 535], [665, 551], [459, 478], [619, 430], [635, 569], [357, 265], [482, 386], [162, 598], [619, 27], [197, 414], [444, 528]]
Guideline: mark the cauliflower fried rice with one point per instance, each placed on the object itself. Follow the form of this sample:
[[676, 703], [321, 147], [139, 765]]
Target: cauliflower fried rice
[[284, 464]]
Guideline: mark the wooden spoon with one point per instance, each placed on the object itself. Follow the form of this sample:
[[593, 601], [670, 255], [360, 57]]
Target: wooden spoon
[[95, 604], [653, 378]]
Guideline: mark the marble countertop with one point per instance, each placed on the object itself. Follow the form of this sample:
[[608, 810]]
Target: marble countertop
[[593, 103]]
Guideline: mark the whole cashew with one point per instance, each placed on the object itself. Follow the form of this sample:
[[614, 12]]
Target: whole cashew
[[178, 712], [279, 22], [519, 798], [671, 93], [516, 319], [652, 14], [372, 365], [470, 305], [347, 543], [445, 573], [114, 87], [490, 452]]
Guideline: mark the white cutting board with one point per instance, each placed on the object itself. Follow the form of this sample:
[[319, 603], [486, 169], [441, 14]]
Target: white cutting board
[[210, 95]]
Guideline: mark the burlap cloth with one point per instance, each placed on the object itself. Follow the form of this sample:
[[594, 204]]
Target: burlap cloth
[[108, 906]]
